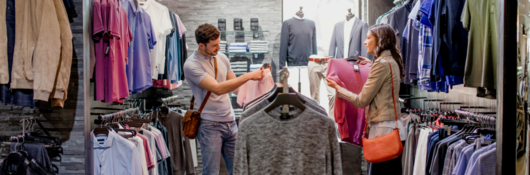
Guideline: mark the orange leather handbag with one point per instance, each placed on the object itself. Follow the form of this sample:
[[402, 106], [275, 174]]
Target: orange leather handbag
[[192, 119], [387, 147]]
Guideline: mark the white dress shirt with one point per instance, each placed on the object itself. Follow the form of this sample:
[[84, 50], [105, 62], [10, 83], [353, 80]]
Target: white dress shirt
[[162, 26], [139, 142], [114, 155], [348, 26]]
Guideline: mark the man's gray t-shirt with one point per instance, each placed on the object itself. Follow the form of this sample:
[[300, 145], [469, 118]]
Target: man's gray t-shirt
[[196, 68]]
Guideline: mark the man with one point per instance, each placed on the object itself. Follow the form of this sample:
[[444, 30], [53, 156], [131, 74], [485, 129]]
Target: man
[[218, 130]]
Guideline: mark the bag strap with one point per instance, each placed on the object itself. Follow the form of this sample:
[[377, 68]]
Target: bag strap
[[393, 99], [207, 94]]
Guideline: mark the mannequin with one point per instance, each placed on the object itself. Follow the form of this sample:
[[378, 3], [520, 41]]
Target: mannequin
[[350, 15], [300, 13]]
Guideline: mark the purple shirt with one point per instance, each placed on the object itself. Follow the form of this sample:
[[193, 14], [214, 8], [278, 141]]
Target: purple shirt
[[139, 67]]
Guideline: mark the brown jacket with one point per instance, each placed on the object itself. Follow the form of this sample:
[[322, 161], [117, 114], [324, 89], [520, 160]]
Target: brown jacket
[[37, 47], [62, 77], [377, 91], [4, 70]]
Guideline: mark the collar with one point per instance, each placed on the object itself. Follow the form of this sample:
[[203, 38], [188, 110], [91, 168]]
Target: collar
[[198, 54], [135, 9], [297, 17], [386, 53], [108, 142]]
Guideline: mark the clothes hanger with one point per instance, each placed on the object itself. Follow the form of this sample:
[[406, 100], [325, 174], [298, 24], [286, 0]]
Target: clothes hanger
[[285, 98]]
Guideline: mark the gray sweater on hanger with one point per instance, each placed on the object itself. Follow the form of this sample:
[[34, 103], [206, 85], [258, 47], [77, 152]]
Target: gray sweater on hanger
[[357, 37], [298, 41]]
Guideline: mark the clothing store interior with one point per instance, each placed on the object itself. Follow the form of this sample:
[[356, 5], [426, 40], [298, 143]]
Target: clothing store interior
[[354, 87]]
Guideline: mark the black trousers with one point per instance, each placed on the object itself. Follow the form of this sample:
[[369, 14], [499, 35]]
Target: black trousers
[[390, 167]]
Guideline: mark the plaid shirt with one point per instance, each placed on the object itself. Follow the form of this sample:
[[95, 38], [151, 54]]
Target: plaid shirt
[[425, 54]]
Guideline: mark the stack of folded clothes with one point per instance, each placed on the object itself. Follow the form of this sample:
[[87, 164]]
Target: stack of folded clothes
[[258, 46], [238, 47], [222, 44]]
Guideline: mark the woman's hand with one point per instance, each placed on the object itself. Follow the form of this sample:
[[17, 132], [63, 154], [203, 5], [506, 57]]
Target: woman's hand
[[365, 60], [332, 83]]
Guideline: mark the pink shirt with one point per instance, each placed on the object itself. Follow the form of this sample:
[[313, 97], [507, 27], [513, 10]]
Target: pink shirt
[[149, 160], [349, 117], [252, 89], [161, 143]]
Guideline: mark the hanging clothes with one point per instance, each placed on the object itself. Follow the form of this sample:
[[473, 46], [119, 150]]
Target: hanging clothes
[[350, 118], [179, 145], [260, 155], [346, 43], [162, 26], [253, 89], [20, 97]]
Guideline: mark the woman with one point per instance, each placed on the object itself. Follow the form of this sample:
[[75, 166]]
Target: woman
[[377, 91]]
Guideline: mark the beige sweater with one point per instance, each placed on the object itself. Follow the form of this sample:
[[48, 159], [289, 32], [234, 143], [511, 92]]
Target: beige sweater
[[37, 47], [377, 91]]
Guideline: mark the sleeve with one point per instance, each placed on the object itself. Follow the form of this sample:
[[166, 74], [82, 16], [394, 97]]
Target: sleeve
[[97, 23], [241, 95], [466, 17], [241, 154], [63, 72], [364, 50], [194, 72], [150, 31], [370, 88], [165, 23], [47, 53], [284, 44], [333, 43], [336, 162], [4, 70], [314, 40]]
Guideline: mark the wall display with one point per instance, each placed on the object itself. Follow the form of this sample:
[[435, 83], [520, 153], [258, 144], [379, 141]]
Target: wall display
[[324, 13]]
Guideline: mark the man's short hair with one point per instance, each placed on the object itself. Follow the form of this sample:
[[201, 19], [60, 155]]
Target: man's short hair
[[205, 33]]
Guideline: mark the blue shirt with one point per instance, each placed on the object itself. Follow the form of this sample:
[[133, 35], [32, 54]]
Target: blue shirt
[[196, 68], [173, 57], [473, 160], [463, 159], [138, 68], [485, 163]]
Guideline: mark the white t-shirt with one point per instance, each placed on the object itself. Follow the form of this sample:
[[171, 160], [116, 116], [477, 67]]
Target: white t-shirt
[[161, 22], [348, 25]]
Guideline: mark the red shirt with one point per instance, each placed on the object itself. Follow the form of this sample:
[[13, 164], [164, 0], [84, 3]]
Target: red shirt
[[349, 117]]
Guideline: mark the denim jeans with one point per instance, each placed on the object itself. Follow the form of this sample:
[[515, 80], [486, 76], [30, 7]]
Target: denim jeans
[[216, 139]]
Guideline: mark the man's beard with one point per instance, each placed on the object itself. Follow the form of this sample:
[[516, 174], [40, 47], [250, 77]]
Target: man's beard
[[212, 53]]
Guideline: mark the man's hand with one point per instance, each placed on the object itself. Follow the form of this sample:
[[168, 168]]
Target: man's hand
[[256, 75], [365, 60]]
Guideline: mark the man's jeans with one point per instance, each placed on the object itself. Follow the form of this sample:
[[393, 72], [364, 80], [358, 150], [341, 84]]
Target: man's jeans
[[216, 139]]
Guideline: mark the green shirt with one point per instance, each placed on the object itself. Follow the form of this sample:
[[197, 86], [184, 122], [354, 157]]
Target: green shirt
[[479, 17]]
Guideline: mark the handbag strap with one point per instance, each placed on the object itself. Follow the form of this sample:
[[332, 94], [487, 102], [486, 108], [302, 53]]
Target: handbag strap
[[393, 99], [207, 94]]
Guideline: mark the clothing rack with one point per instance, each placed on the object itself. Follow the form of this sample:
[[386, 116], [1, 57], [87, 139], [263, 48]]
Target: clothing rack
[[169, 100], [110, 116]]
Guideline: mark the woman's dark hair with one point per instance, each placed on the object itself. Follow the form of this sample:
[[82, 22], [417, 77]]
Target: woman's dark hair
[[387, 40], [205, 33]]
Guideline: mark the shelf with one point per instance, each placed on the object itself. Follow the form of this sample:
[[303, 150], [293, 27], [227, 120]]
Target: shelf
[[246, 31], [246, 53]]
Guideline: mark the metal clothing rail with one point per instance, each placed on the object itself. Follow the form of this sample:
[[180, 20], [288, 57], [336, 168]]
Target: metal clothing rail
[[119, 113], [169, 100]]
